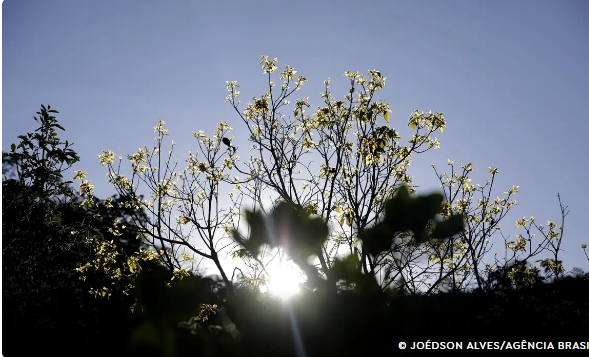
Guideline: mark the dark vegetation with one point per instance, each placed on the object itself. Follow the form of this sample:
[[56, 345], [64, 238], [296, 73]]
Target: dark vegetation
[[48, 234]]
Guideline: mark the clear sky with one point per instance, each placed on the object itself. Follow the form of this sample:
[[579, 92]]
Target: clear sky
[[511, 77]]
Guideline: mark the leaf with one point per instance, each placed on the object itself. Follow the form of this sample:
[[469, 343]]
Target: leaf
[[349, 270], [312, 234], [449, 227], [398, 210], [387, 273], [431, 205], [306, 235], [405, 213], [12, 147], [184, 324], [387, 117], [346, 269], [377, 239], [215, 329], [258, 235]]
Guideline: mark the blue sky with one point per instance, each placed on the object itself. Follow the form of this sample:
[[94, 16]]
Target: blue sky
[[511, 77]]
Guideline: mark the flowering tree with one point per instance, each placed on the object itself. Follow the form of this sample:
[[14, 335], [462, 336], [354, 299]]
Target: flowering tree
[[341, 162], [361, 163]]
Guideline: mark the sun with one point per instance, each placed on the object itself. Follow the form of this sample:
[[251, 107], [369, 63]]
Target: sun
[[284, 279]]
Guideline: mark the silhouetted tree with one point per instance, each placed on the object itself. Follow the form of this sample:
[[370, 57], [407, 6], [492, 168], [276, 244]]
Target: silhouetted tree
[[45, 239], [40, 252]]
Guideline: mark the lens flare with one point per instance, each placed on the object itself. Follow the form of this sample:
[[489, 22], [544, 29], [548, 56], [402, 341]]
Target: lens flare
[[284, 280]]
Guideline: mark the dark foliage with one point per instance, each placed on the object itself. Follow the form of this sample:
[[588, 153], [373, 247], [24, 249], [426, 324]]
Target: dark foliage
[[346, 323], [44, 231]]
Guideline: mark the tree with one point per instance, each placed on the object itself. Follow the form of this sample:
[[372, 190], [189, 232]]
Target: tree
[[195, 199], [383, 253], [49, 238], [39, 251], [108, 214], [362, 164]]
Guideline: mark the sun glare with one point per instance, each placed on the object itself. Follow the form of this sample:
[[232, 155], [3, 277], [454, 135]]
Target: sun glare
[[285, 279]]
